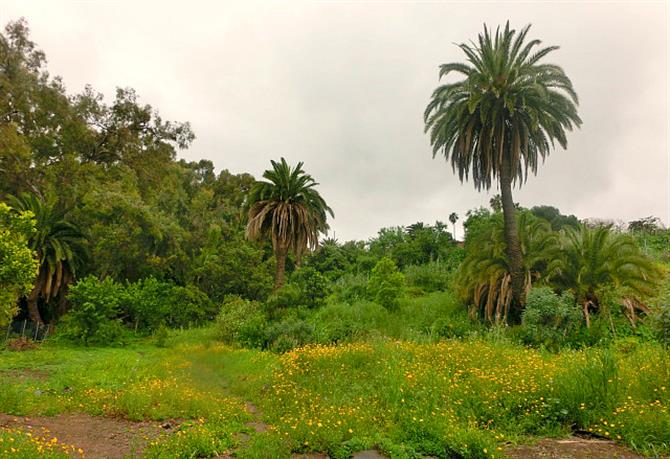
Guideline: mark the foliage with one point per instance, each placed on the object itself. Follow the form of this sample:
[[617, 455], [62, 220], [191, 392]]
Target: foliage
[[241, 321], [288, 333], [287, 209], [484, 278], [350, 288], [150, 304], [313, 287], [549, 319], [93, 317], [386, 284], [416, 244], [557, 220], [595, 258], [18, 265], [431, 277], [661, 320], [58, 244]]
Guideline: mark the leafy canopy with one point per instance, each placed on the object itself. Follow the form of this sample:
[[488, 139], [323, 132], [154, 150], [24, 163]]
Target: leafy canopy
[[18, 265]]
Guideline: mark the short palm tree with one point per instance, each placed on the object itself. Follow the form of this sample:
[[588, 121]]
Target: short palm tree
[[499, 120], [593, 258], [289, 210], [59, 245], [484, 278]]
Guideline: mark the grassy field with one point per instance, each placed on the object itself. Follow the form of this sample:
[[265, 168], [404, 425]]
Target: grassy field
[[454, 398]]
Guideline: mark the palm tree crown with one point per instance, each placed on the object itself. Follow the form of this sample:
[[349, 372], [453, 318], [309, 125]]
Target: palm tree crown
[[287, 208], [508, 106]]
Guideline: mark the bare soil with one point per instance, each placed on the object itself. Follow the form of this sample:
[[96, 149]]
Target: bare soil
[[99, 437], [572, 448]]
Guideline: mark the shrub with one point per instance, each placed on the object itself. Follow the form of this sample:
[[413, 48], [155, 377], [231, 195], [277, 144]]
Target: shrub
[[242, 322], [289, 333], [341, 322], [312, 286], [549, 319], [189, 306], [661, 322], [386, 284], [151, 303], [93, 317], [350, 288], [286, 297], [430, 277]]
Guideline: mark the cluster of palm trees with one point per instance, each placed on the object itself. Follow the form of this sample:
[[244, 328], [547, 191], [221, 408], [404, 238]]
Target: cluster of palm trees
[[584, 261]]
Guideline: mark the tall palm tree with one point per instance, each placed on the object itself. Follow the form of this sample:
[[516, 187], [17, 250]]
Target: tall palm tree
[[289, 210], [59, 245], [484, 278], [453, 218], [500, 119], [592, 258]]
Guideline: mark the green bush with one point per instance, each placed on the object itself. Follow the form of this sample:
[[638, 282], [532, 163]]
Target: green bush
[[151, 303], [661, 322], [289, 333], [550, 320], [312, 286], [342, 322], [241, 322], [430, 277], [286, 298], [386, 284], [190, 306], [350, 288], [93, 316]]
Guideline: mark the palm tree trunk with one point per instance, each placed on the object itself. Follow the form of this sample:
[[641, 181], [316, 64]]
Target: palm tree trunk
[[280, 272], [33, 309], [514, 255]]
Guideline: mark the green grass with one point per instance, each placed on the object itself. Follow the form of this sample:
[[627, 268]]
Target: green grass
[[454, 398]]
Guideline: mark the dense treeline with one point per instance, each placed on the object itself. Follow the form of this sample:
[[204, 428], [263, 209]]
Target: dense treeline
[[128, 237]]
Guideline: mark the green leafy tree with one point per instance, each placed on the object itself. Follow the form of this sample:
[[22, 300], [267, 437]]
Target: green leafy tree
[[59, 245], [18, 265], [594, 258], [386, 284], [287, 209], [555, 217], [500, 120]]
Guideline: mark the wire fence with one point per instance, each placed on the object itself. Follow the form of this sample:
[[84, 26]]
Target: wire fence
[[27, 329]]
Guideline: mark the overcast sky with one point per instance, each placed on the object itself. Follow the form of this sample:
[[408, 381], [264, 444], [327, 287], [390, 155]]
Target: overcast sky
[[342, 86]]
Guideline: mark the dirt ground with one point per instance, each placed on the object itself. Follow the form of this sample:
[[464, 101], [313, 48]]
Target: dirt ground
[[572, 448], [99, 437], [112, 438]]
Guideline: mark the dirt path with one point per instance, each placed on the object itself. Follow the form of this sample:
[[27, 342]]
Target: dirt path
[[572, 448], [98, 437]]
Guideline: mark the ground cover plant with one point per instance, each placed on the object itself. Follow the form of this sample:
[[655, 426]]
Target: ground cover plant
[[451, 398]]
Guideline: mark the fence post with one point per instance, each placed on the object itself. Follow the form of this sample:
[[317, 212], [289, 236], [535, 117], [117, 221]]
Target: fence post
[[37, 330], [23, 330]]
